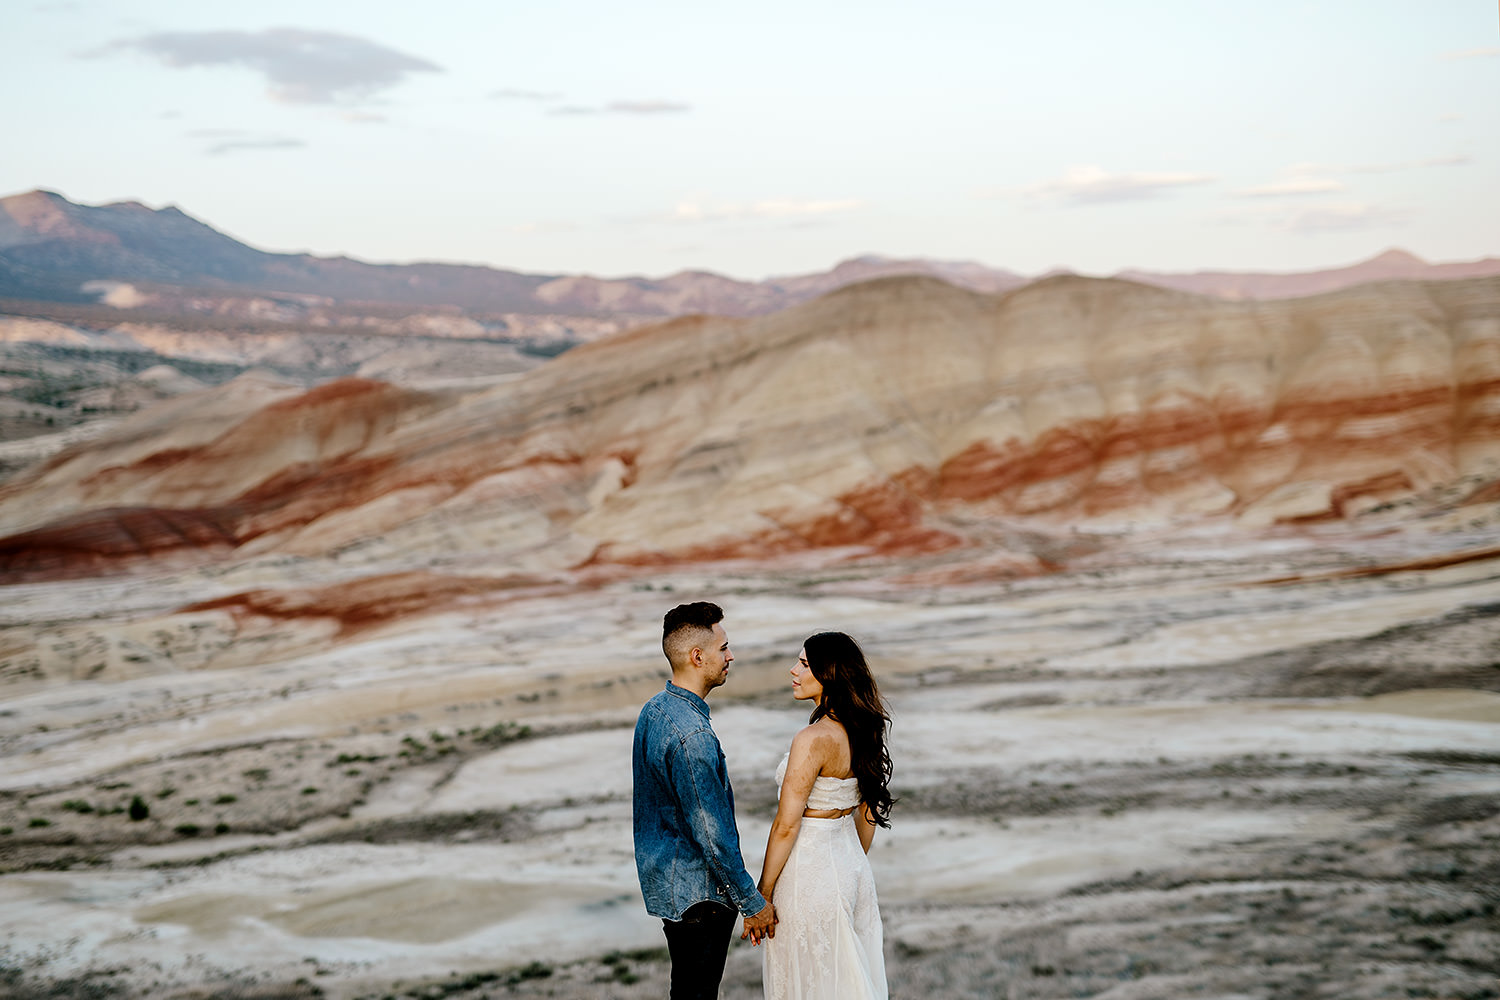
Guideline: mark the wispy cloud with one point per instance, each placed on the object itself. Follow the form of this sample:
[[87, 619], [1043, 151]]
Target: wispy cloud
[[1450, 116], [657, 107], [1456, 160], [1488, 52], [1321, 178], [1297, 179], [301, 66], [519, 94], [1092, 185], [235, 140], [699, 211], [1343, 218], [650, 107], [243, 145]]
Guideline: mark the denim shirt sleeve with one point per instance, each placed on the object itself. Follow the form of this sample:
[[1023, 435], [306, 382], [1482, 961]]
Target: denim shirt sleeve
[[697, 773]]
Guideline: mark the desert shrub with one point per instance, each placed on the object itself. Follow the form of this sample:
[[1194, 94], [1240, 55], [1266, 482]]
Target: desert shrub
[[503, 732], [187, 829], [224, 800], [532, 970], [78, 806], [138, 809], [355, 758]]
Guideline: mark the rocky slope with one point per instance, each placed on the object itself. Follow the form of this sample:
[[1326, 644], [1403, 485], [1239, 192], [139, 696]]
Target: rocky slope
[[899, 416]]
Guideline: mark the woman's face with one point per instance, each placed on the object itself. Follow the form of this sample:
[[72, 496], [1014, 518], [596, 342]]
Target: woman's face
[[805, 686]]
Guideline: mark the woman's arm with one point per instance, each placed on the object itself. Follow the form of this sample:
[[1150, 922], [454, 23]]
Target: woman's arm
[[865, 825], [809, 749]]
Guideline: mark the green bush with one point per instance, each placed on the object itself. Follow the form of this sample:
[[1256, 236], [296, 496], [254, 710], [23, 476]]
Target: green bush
[[503, 732], [138, 809], [533, 970]]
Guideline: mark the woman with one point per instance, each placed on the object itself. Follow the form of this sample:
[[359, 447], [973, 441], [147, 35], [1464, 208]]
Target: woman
[[833, 795]]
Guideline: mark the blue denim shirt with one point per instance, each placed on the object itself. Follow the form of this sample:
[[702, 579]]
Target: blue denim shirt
[[687, 848]]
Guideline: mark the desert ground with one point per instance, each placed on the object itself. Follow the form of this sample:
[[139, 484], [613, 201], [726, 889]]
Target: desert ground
[[329, 593], [1189, 763]]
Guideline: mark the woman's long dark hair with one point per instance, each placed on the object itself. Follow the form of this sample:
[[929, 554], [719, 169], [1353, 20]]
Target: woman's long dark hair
[[851, 698]]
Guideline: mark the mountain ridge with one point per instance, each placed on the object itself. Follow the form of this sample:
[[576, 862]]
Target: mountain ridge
[[56, 250]]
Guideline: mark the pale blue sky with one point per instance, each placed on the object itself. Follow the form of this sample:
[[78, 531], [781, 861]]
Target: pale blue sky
[[609, 138]]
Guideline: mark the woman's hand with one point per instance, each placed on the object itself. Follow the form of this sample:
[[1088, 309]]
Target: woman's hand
[[760, 926]]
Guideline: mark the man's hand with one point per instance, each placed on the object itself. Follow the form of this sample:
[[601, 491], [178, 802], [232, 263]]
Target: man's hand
[[760, 926]]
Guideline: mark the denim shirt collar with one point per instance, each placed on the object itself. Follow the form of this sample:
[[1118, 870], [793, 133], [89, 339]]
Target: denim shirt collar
[[698, 703]]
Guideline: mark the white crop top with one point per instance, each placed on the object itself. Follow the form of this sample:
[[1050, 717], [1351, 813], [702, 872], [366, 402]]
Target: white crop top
[[827, 793]]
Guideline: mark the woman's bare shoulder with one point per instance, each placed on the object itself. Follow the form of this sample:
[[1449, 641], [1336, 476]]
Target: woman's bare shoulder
[[818, 738], [823, 741]]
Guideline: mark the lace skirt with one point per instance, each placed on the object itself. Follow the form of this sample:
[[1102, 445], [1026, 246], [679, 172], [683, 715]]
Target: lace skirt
[[828, 937]]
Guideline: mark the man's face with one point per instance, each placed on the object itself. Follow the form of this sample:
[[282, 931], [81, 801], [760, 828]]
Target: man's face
[[716, 659]]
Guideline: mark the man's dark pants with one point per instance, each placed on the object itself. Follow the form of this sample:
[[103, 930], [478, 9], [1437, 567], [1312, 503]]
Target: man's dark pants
[[699, 943]]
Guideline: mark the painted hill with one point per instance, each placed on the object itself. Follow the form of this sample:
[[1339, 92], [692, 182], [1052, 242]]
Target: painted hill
[[898, 416]]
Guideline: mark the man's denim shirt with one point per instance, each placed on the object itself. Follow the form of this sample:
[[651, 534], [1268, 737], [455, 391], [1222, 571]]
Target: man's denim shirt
[[687, 848]]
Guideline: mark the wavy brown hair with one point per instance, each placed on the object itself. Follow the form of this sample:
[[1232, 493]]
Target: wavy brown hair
[[851, 698]]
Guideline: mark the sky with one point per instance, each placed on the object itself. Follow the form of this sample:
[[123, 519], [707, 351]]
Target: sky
[[613, 139]]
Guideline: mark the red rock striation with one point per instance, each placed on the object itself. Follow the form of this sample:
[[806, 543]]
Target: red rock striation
[[896, 417], [362, 604], [96, 541]]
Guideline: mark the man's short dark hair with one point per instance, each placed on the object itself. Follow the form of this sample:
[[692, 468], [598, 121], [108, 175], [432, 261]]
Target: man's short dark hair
[[695, 618]]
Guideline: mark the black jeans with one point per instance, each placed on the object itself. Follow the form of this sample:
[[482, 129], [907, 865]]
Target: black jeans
[[698, 944]]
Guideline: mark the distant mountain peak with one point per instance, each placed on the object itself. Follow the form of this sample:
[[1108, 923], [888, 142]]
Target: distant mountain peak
[[1395, 255], [33, 204], [38, 194]]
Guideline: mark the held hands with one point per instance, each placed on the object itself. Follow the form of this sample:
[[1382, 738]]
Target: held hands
[[760, 926]]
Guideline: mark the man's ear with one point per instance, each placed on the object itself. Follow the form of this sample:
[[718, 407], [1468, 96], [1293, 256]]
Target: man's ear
[[696, 656]]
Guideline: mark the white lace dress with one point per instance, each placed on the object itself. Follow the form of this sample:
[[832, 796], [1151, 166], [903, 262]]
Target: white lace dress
[[828, 936]]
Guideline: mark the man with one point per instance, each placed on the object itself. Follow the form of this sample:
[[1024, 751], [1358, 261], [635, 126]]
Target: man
[[687, 848]]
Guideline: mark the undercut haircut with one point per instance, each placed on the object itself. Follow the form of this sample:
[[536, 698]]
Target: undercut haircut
[[686, 626]]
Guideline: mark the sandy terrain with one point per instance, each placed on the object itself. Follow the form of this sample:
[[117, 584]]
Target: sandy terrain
[[1154, 775]]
